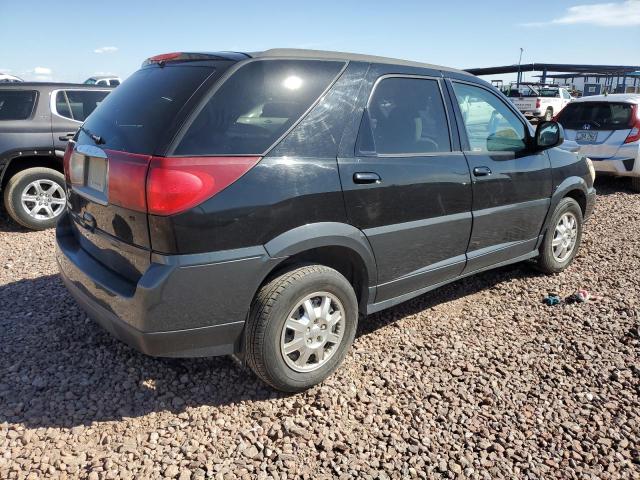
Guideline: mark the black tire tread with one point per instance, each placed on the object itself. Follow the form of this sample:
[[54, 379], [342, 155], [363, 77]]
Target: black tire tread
[[545, 261], [261, 306]]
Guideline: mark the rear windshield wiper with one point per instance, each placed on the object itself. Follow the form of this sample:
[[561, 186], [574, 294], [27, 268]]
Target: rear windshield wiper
[[96, 138]]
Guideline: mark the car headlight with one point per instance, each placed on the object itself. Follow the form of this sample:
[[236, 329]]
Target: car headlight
[[592, 170]]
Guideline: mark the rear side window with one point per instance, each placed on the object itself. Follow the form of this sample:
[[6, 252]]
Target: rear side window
[[141, 111], [16, 104], [78, 105], [405, 115], [597, 115], [254, 107]]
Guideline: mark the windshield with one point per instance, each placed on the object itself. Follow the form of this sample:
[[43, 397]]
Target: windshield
[[596, 115]]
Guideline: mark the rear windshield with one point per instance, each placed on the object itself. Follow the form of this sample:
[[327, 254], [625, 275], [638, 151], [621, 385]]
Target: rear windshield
[[598, 115], [134, 116], [256, 106], [524, 91], [549, 92], [16, 104]]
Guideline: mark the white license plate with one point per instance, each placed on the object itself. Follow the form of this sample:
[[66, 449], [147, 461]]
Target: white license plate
[[586, 136], [97, 174]]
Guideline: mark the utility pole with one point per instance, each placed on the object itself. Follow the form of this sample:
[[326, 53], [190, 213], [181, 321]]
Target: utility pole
[[519, 73]]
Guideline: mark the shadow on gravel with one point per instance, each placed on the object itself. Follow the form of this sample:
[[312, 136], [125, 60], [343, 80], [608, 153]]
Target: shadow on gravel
[[608, 185], [7, 225], [59, 369]]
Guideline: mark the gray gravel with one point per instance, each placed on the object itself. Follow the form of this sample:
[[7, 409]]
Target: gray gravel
[[476, 380]]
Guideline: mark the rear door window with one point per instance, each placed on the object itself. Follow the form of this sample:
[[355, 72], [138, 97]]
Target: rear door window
[[17, 104], [254, 107], [77, 104], [141, 112], [405, 116], [596, 115]]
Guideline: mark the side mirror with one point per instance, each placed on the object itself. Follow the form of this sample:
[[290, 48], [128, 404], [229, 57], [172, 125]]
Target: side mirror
[[548, 135]]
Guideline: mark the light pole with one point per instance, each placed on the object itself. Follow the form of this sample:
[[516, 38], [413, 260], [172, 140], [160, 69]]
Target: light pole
[[519, 62]]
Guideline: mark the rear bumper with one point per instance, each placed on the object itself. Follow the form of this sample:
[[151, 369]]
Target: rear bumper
[[619, 167], [181, 306]]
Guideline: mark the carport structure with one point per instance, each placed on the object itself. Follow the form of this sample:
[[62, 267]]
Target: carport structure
[[614, 78]]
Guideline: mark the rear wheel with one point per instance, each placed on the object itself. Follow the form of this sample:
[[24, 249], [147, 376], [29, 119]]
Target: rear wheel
[[635, 184], [562, 240], [300, 327], [35, 197]]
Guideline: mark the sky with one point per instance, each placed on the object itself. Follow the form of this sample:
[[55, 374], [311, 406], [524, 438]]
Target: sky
[[73, 40]]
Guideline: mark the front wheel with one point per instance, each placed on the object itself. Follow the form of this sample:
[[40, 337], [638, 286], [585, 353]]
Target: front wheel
[[35, 197], [562, 240], [300, 327]]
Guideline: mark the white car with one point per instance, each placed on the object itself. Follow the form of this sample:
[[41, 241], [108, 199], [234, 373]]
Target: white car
[[6, 78], [542, 102], [607, 130], [103, 81]]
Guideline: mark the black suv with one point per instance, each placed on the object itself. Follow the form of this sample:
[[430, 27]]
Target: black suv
[[36, 122], [256, 204]]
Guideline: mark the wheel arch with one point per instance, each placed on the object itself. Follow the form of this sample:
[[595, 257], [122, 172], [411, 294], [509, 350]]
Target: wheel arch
[[572, 187], [18, 162], [336, 245]]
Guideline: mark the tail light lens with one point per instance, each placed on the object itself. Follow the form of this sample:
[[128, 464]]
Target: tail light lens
[[127, 177], [634, 134], [176, 184], [538, 102]]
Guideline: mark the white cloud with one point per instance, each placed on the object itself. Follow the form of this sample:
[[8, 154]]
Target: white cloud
[[106, 50], [42, 71], [613, 14], [38, 74]]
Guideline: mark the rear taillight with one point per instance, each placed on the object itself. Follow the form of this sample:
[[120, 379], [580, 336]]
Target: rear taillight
[[67, 160], [127, 173], [538, 102], [176, 184], [634, 134]]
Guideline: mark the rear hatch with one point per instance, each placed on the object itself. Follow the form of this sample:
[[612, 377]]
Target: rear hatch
[[599, 128], [106, 167]]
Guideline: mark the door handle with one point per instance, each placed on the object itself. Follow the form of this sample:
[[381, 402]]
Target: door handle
[[66, 136], [481, 171], [366, 177]]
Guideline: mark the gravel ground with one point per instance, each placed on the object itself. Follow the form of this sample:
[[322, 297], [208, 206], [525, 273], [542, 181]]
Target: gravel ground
[[476, 380]]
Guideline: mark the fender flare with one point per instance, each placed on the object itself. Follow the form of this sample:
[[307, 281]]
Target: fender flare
[[567, 185], [325, 234]]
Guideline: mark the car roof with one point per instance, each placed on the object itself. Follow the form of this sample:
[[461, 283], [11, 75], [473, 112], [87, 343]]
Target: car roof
[[102, 77], [612, 97], [355, 57], [50, 85]]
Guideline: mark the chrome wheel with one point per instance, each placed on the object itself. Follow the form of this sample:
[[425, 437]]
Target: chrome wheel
[[43, 199], [564, 237], [312, 332]]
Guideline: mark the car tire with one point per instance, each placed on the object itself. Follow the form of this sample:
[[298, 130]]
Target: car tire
[[548, 115], [321, 306], [562, 239], [44, 188], [635, 184]]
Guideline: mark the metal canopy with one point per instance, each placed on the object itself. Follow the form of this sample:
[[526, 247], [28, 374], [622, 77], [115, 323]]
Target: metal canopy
[[557, 67]]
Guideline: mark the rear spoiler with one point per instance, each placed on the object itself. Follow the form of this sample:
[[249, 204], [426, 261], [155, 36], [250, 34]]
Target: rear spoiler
[[164, 58]]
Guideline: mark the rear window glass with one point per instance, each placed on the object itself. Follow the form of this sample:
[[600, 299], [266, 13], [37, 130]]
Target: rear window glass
[[136, 114], [16, 104], [597, 115], [78, 105], [256, 106]]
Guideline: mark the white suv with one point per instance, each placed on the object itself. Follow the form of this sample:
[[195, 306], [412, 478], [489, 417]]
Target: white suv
[[607, 130]]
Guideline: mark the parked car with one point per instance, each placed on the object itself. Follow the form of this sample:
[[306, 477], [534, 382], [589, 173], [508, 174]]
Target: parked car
[[103, 81], [607, 130], [36, 122], [6, 78], [192, 231], [540, 102]]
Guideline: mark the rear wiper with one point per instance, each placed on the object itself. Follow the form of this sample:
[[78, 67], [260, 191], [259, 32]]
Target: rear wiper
[[96, 138]]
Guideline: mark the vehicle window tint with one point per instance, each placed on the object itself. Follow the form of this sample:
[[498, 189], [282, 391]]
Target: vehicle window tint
[[597, 115], [16, 104], [142, 110], [490, 124], [405, 115], [114, 83], [256, 105], [78, 105], [549, 92]]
